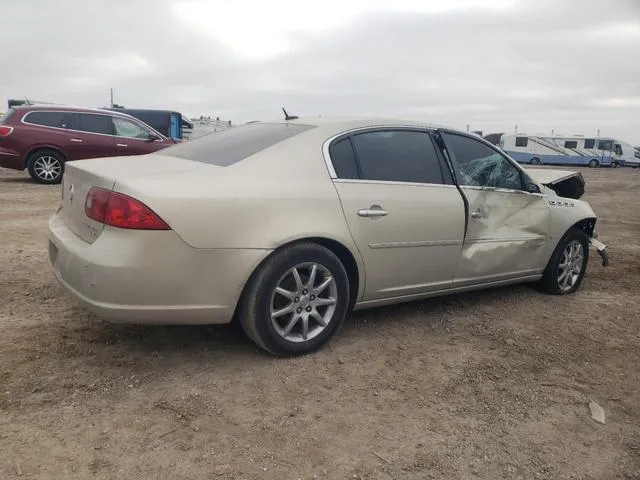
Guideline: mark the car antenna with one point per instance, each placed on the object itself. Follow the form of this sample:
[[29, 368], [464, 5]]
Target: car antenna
[[287, 116]]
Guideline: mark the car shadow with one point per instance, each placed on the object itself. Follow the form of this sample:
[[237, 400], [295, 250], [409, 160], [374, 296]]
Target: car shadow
[[25, 180], [216, 342]]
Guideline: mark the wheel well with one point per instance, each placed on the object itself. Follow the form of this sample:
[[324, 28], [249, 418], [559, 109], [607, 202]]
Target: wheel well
[[348, 261], [344, 255], [41, 147], [587, 225]]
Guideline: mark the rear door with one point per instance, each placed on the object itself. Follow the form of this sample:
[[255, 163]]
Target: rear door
[[507, 227], [403, 211]]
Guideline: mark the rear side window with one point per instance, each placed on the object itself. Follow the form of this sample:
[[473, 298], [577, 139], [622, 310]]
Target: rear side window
[[230, 146], [49, 119], [96, 123], [397, 156], [589, 143], [343, 159], [570, 144]]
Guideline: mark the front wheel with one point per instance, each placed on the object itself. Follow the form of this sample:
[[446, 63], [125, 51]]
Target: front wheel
[[568, 264], [535, 161], [46, 166], [296, 300]]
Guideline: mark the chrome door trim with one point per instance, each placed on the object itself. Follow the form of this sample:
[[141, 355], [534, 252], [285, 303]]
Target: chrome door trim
[[425, 243]]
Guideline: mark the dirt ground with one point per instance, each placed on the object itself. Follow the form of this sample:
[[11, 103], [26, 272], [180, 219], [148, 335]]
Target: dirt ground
[[489, 385]]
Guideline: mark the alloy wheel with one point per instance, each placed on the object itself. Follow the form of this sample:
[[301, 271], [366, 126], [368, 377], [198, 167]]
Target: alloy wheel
[[47, 167], [303, 302], [571, 265]]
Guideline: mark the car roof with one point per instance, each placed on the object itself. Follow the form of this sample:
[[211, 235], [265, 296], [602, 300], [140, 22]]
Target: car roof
[[336, 125], [66, 108]]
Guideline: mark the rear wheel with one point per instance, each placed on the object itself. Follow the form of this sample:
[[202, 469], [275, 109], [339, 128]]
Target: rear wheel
[[46, 166], [594, 163], [296, 300], [568, 264], [535, 161]]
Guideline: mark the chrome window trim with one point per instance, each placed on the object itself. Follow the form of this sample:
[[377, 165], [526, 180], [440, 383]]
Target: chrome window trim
[[143, 125], [393, 182], [500, 190]]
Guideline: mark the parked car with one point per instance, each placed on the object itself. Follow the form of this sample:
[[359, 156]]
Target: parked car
[[289, 225], [42, 138]]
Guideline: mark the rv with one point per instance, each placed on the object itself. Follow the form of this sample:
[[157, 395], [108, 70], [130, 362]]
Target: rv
[[569, 150]]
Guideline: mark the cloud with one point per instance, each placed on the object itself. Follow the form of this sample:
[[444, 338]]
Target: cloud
[[568, 65]]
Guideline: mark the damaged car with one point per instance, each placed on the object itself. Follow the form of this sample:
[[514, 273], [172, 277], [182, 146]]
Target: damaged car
[[287, 226]]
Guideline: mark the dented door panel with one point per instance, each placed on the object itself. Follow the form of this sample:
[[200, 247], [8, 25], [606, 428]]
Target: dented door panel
[[507, 235]]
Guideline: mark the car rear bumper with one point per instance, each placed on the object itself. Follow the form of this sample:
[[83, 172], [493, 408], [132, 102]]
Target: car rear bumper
[[11, 159], [149, 277]]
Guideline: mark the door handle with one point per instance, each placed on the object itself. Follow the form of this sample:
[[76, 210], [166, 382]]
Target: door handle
[[476, 214], [121, 145], [373, 211], [76, 140]]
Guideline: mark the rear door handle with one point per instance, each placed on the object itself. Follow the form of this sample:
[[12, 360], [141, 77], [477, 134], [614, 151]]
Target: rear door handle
[[76, 140], [122, 145], [373, 211]]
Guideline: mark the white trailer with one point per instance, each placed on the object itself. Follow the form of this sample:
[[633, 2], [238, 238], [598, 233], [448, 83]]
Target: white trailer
[[569, 150]]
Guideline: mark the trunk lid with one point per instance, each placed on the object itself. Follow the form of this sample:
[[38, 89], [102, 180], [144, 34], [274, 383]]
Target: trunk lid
[[80, 176], [565, 183]]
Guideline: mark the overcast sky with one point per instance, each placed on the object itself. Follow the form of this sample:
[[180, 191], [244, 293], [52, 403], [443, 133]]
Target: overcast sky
[[568, 65]]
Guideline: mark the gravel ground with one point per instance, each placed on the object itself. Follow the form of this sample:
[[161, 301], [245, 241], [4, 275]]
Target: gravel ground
[[494, 384]]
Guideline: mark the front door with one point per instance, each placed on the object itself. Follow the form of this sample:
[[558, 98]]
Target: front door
[[405, 215], [507, 227]]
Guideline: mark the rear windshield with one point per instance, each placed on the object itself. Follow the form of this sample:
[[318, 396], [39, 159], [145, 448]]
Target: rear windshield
[[5, 117], [230, 146]]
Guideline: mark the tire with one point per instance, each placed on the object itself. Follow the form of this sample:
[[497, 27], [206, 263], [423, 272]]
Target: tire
[[614, 165], [46, 166], [594, 163], [535, 161], [552, 281], [260, 300]]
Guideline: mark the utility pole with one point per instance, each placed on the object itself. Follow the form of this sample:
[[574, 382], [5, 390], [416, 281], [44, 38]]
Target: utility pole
[[515, 129], [467, 128], [111, 91]]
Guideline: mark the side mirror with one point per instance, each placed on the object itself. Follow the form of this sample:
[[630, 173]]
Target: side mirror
[[153, 137], [532, 188]]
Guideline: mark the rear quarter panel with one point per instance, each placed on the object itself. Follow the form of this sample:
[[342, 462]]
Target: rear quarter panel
[[275, 197]]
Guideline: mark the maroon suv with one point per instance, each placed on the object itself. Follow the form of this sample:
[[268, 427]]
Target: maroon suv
[[41, 138]]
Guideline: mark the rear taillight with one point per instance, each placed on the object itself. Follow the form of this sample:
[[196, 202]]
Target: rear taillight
[[119, 210], [5, 130]]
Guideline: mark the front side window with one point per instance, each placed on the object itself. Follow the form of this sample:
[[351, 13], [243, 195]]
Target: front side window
[[129, 129], [397, 155], [479, 165], [618, 149], [92, 123], [605, 145], [589, 143]]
